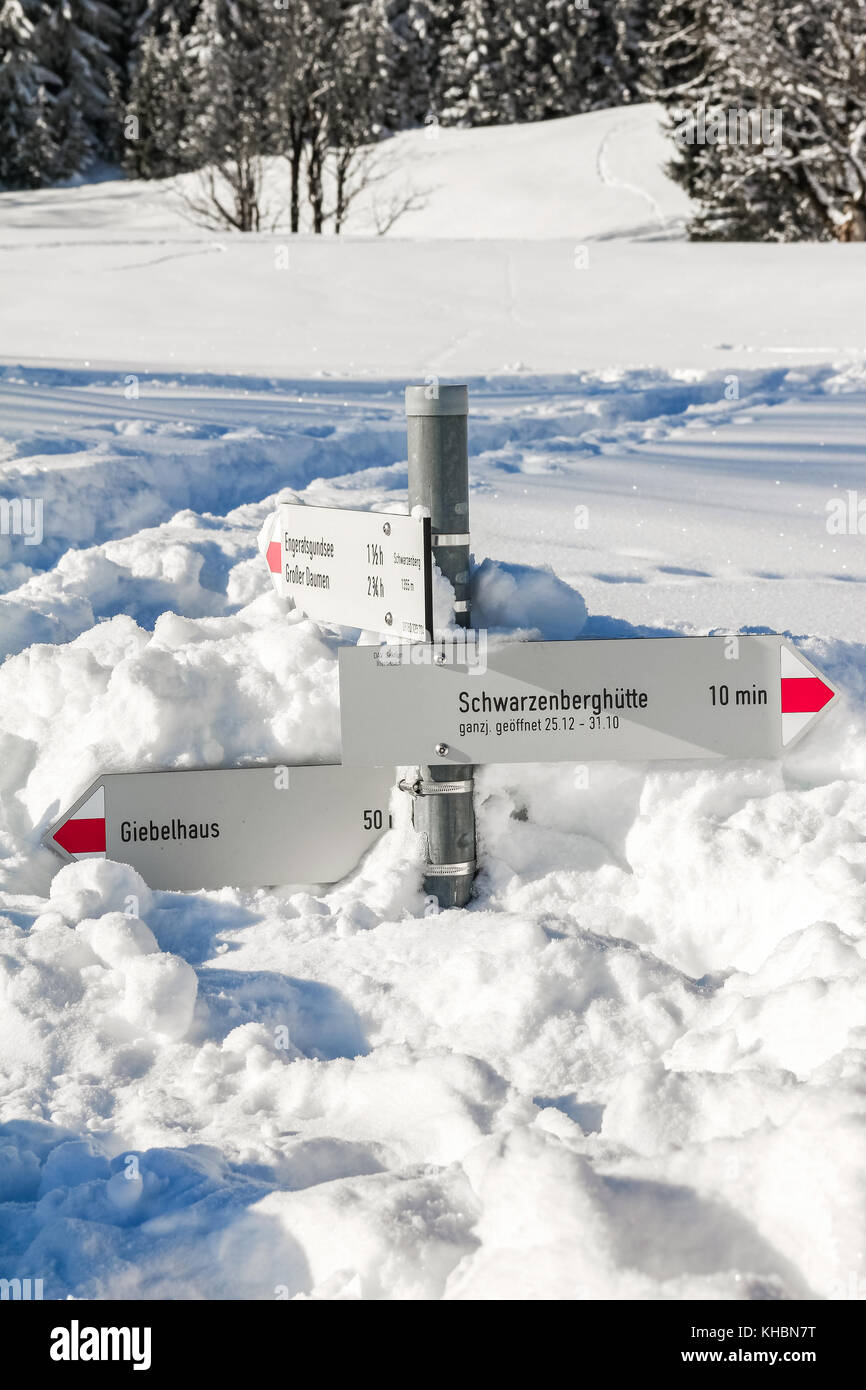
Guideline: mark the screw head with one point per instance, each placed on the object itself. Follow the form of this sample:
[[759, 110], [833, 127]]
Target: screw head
[[389, 618], [441, 749], [387, 528]]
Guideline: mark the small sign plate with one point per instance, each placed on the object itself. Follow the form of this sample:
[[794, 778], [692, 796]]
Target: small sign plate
[[360, 569]]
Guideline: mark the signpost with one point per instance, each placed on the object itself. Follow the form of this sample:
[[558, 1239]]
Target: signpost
[[360, 569], [583, 701], [442, 706], [242, 826], [443, 810]]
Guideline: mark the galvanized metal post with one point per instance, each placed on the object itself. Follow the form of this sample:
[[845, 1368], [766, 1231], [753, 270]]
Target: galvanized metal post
[[444, 811]]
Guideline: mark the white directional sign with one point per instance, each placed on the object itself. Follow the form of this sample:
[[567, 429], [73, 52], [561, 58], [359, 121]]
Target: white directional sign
[[359, 569], [620, 699], [244, 827]]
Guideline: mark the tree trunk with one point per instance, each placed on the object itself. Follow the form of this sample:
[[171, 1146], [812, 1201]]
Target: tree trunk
[[247, 195], [854, 226], [314, 188], [295, 166], [344, 160], [339, 207]]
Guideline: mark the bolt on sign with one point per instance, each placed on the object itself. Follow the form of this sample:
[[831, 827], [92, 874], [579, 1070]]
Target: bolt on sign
[[358, 569], [622, 699], [245, 826]]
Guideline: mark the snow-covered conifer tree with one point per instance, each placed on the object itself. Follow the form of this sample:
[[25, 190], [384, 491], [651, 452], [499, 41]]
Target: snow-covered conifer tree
[[768, 108], [419, 33], [529, 60], [231, 118], [159, 107], [74, 40], [26, 148]]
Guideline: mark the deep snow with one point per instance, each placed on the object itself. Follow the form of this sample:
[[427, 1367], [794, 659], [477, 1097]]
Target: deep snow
[[633, 1067]]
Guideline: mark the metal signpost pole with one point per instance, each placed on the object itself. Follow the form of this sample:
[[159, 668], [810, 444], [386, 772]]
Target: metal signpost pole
[[444, 811]]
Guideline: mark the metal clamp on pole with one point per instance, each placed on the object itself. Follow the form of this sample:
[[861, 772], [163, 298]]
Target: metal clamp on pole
[[443, 809], [445, 542], [450, 870], [419, 788]]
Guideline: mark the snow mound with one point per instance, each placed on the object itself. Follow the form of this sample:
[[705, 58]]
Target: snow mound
[[509, 598]]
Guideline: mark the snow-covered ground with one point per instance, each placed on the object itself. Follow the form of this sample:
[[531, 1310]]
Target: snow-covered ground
[[633, 1067], [547, 248]]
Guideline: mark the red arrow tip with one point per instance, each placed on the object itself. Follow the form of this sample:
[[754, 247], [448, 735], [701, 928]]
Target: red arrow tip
[[81, 836], [275, 562], [804, 694]]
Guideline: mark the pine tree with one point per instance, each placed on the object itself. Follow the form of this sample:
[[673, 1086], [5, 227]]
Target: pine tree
[[158, 107], [528, 60], [74, 40], [679, 48], [160, 95], [231, 122], [633, 22], [804, 61], [26, 148], [420, 31], [682, 66], [158, 17], [808, 61], [301, 73], [355, 101]]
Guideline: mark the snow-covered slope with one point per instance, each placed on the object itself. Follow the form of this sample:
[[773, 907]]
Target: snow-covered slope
[[594, 176], [570, 257], [632, 1068]]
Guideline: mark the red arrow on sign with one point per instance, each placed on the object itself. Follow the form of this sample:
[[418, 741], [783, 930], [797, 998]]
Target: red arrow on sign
[[803, 694], [275, 559], [83, 833], [82, 836]]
